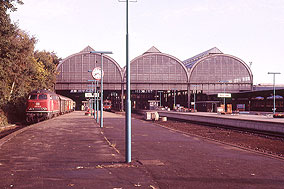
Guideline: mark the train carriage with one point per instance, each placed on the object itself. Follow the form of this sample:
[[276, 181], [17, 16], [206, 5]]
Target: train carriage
[[66, 104]]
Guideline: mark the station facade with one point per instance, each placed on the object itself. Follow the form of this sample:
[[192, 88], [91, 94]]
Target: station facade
[[157, 79]]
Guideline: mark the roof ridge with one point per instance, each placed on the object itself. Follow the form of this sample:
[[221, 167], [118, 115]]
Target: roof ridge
[[87, 49], [153, 49], [191, 61]]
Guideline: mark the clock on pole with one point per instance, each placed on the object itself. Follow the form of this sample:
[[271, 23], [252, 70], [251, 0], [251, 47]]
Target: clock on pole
[[96, 73]]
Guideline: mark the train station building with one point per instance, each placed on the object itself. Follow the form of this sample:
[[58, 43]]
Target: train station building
[[157, 79]]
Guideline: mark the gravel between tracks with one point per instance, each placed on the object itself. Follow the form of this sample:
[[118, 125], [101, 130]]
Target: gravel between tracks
[[256, 142]]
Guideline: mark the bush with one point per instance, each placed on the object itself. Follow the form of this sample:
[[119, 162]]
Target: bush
[[15, 110], [3, 119]]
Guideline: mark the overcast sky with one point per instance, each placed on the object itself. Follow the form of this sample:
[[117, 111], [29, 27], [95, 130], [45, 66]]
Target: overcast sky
[[251, 30]]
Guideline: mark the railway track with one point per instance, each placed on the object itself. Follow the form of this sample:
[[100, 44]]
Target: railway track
[[10, 129], [258, 132]]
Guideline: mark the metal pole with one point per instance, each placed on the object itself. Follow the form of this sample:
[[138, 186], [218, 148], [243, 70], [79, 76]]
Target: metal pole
[[102, 91], [174, 98], [274, 89], [224, 82], [194, 99], [128, 100], [160, 97], [224, 97], [188, 97], [98, 96], [91, 104], [273, 94], [93, 86], [95, 100], [194, 96], [122, 97]]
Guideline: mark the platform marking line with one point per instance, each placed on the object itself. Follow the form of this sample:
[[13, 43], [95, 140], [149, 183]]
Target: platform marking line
[[110, 144]]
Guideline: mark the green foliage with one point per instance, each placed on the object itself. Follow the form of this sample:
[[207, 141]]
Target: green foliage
[[3, 119], [22, 69], [9, 4], [46, 66]]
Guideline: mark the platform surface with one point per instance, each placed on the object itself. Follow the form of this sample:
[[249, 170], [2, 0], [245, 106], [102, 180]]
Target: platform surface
[[251, 117], [71, 151]]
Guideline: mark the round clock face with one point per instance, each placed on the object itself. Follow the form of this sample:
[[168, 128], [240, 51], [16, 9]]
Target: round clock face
[[96, 73]]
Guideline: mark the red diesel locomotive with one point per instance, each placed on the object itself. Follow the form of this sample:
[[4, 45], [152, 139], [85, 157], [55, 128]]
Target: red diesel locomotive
[[44, 104], [107, 105]]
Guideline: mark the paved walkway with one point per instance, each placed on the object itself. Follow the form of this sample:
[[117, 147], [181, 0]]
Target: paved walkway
[[68, 151], [259, 118], [71, 151], [255, 122], [176, 160]]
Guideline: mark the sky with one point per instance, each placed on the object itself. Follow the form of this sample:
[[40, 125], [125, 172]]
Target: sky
[[251, 30]]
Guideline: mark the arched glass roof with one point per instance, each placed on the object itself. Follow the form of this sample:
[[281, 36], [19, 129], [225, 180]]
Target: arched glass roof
[[74, 71], [156, 70]]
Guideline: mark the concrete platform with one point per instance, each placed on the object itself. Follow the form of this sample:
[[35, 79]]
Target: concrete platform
[[72, 151], [176, 160], [257, 122], [66, 152]]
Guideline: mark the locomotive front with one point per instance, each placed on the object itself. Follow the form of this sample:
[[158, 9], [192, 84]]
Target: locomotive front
[[41, 104], [107, 105]]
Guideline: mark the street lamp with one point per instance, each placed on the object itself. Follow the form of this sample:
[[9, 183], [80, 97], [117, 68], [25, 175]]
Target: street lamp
[[250, 63], [102, 92], [128, 100], [273, 89]]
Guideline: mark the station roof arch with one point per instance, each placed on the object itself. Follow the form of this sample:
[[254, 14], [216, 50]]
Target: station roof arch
[[213, 71], [154, 70], [220, 67], [73, 71]]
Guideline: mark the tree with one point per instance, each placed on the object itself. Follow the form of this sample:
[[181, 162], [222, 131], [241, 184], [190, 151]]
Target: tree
[[21, 68], [49, 61]]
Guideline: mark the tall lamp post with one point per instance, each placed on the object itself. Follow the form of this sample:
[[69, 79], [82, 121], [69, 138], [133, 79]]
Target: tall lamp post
[[274, 73], [128, 100], [102, 91]]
